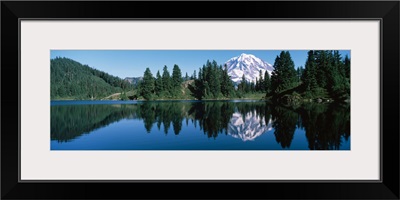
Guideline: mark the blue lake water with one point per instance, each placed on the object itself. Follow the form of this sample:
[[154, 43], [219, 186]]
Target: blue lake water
[[197, 125]]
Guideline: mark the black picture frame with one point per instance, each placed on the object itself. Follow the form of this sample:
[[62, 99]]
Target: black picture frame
[[386, 11]]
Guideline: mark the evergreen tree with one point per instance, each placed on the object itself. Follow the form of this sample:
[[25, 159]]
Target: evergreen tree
[[347, 66], [340, 87], [166, 80], [284, 75], [323, 64], [309, 76], [147, 86], [226, 85], [338, 64], [199, 85], [261, 82], [205, 79], [331, 71], [186, 77], [242, 84], [176, 77], [200, 74], [176, 80], [277, 76], [214, 80], [158, 83], [267, 83]]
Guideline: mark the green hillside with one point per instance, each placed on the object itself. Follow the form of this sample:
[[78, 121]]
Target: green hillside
[[72, 80]]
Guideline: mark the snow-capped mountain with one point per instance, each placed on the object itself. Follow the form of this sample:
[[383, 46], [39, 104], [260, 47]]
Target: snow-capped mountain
[[249, 65], [248, 127]]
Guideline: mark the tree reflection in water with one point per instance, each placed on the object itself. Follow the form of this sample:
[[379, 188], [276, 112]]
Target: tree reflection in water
[[324, 125]]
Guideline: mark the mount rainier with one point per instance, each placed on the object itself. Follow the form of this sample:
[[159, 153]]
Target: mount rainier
[[249, 65]]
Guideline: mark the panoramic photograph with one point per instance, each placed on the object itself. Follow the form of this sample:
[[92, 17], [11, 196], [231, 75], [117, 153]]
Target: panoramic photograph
[[200, 100]]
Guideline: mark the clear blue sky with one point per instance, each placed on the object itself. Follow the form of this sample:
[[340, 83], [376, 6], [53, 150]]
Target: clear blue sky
[[132, 63]]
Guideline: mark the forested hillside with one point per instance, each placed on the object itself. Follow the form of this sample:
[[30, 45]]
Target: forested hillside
[[72, 80]]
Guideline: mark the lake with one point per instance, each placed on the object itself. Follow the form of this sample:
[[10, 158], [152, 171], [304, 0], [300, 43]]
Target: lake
[[197, 125]]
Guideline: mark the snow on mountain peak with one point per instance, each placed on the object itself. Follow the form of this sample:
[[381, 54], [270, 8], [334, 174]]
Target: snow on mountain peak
[[249, 65]]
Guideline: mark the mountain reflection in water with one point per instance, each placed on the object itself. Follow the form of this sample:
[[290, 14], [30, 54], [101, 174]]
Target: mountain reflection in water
[[248, 127]]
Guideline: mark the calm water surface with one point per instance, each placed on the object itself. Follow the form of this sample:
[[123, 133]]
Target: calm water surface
[[197, 125]]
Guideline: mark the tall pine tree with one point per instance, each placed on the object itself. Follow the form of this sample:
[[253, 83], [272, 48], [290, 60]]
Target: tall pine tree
[[284, 75], [347, 66], [147, 85], [166, 80], [176, 77], [158, 84], [267, 83], [323, 63], [340, 87], [309, 76], [243, 86], [260, 85], [176, 81], [214, 80], [226, 83]]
